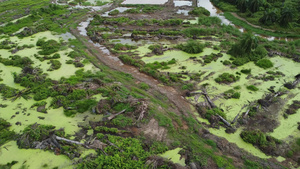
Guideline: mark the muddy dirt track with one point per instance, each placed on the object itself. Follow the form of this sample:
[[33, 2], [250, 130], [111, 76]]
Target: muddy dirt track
[[114, 63]]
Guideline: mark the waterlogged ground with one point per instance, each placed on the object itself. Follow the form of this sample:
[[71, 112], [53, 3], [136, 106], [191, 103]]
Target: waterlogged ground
[[287, 128], [20, 114]]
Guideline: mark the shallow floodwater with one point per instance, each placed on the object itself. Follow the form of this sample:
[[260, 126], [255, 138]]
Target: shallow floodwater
[[32, 158], [182, 3], [20, 114], [120, 9], [145, 2], [287, 127]]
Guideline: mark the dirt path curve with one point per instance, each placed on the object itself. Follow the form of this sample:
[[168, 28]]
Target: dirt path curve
[[255, 26], [114, 63]]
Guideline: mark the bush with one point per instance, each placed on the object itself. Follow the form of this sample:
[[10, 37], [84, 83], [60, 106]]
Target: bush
[[232, 94], [226, 62], [246, 71], [252, 88], [226, 78], [144, 86], [199, 11], [114, 12], [264, 63], [214, 111], [191, 46], [48, 47]]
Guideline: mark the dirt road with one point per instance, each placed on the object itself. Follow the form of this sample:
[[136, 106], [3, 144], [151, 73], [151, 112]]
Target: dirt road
[[114, 63]]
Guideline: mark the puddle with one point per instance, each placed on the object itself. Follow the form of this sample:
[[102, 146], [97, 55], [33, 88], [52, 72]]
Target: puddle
[[183, 3], [83, 25], [184, 12], [120, 9]]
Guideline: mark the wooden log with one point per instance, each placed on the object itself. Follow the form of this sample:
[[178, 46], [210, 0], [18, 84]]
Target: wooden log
[[114, 115], [67, 140], [225, 121], [236, 117], [212, 105]]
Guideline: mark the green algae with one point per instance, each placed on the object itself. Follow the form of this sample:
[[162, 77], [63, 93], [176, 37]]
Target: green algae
[[32, 158], [235, 138], [288, 127], [56, 117], [232, 107], [174, 156], [66, 70], [7, 77]]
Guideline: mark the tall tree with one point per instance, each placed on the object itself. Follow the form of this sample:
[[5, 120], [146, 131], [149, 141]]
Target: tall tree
[[248, 42], [270, 16], [242, 5], [286, 16], [256, 4]]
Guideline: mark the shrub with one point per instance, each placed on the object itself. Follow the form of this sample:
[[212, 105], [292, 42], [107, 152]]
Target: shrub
[[232, 94], [214, 111], [144, 86], [252, 88], [191, 46], [114, 12], [246, 71], [226, 78], [199, 11], [48, 47], [264, 63], [226, 62]]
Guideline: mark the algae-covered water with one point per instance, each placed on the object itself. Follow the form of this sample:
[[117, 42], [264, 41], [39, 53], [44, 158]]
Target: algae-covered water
[[287, 128], [174, 156], [20, 114]]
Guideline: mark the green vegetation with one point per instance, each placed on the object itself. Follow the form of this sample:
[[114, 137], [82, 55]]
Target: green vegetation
[[120, 46], [256, 137], [191, 46], [227, 78], [131, 147], [247, 49], [17, 61], [269, 14], [209, 21], [48, 47], [114, 12], [5, 134], [199, 11], [34, 132], [264, 63], [246, 71], [252, 88], [232, 94], [212, 57], [214, 112], [144, 86], [143, 8]]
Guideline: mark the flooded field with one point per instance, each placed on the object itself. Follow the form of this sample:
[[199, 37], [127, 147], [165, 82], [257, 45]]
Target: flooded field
[[66, 107]]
